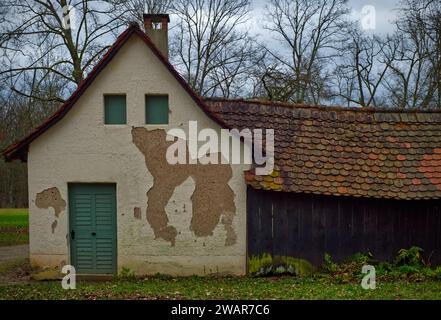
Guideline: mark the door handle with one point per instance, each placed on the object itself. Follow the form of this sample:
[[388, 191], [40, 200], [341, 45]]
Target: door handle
[[94, 234], [72, 234]]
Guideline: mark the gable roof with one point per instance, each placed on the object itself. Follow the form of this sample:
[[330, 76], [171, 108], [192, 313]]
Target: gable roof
[[19, 149], [344, 151], [321, 150]]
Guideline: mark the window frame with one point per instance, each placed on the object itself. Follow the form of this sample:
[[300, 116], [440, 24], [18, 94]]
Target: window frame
[[105, 97], [146, 96]]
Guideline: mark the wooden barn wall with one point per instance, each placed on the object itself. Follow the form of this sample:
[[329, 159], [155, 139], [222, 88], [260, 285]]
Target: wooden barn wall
[[308, 226]]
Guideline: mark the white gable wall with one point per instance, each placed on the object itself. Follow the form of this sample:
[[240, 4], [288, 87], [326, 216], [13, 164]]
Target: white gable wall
[[80, 148]]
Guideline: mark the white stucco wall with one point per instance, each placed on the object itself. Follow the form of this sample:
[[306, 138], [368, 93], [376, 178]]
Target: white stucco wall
[[80, 148]]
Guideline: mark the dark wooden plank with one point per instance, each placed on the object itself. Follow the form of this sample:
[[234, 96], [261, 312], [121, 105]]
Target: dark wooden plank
[[266, 224], [346, 246], [293, 217], [308, 226], [306, 242], [370, 226], [319, 205], [252, 223], [357, 220], [280, 227], [332, 231]]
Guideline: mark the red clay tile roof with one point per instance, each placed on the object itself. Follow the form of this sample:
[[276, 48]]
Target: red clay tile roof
[[19, 150], [344, 151]]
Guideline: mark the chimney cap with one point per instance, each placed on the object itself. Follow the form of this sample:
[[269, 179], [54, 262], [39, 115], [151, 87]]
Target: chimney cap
[[157, 17], [133, 24]]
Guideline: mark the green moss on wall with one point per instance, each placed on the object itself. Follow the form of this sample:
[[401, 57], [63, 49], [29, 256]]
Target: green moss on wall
[[266, 264]]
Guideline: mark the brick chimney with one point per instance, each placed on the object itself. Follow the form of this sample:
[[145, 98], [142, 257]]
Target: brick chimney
[[156, 27]]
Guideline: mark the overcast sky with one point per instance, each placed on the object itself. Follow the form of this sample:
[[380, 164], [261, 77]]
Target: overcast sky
[[385, 12]]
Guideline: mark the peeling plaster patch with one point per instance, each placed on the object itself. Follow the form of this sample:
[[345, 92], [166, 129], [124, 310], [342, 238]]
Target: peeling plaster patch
[[137, 213], [212, 199], [51, 198]]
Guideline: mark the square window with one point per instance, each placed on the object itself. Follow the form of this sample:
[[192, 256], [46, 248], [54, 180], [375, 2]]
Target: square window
[[115, 109], [156, 109]]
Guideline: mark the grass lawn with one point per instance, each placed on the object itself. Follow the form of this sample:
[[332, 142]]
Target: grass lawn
[[13, 230], [13, 227], [223, 288]]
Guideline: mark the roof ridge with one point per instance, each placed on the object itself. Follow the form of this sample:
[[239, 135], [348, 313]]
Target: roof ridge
[[320, 106]]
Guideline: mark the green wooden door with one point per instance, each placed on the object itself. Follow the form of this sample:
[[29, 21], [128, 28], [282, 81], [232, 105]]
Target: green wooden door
[[92, 218]]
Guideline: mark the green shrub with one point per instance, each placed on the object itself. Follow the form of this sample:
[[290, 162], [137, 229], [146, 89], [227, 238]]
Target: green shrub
[[347, 271], [405, 270], [361, 258], [433, 273], [328, 264], [383, 268], [408, 265], [411, 257], [126, 274]]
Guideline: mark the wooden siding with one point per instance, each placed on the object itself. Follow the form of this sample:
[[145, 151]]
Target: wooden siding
[[308, 226]]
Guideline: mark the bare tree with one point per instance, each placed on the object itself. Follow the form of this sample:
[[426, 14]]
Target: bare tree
[[19, 115], [271, 81], [362, 68], [309, 32], [415, 77], [133, 10], [210, 47], [73, 33], [231, 79], [47, 47]]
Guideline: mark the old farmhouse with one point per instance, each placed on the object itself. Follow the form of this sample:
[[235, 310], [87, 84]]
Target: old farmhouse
[[102, 197]]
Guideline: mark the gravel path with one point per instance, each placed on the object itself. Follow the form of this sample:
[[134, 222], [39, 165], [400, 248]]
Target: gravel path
[[14, 265], [14, 253]]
